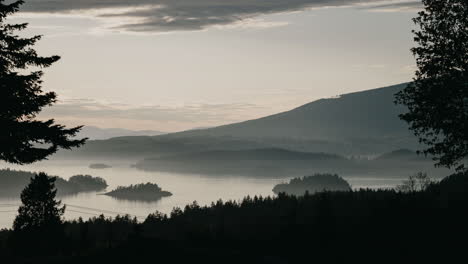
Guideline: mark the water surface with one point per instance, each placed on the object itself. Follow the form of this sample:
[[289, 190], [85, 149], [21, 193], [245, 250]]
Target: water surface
[[186, 188]]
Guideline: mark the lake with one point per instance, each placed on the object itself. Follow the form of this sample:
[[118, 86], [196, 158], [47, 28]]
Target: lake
[[186, 188]]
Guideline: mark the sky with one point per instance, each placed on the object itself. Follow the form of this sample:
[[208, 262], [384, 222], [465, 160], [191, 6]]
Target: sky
[[172, 65]]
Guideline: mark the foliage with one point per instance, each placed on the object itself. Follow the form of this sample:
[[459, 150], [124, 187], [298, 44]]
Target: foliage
[[39, 208], [23, 138], [39, 219], [437, 100], [415, 183]]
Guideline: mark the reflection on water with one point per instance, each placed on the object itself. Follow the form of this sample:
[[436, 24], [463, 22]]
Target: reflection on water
[[185, 188]]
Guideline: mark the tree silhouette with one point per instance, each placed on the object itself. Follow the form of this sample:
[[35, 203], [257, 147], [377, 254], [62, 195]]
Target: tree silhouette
[[438, 98], [23, 139], [39, 208], [415, 183], [38, 228]]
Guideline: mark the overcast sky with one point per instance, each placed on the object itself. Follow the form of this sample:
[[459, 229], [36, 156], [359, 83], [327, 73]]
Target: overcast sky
[[171, 65]]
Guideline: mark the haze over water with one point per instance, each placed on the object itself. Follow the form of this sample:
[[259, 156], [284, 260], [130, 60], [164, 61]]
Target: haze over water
[[186, 188]]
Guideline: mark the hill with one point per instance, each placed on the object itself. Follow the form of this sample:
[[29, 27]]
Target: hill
[[96, 133], [367, 114], [268, 154], [276, 162], [361, 123], [256, 162]]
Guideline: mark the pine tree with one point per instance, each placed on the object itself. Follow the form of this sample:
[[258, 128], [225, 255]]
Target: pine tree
[[23, 138], [438, 98], [38, 228], [39, 209]]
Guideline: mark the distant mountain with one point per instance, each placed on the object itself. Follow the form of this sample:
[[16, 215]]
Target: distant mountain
[[361, 123], [360, 115], [96, 133]]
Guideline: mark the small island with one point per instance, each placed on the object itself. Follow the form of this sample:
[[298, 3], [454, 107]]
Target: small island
[[313, 184], [88, 182], [139, 192], [99, 166]]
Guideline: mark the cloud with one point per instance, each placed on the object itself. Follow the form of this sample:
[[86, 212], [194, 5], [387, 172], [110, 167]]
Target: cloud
[[176, 15], [369, 66], [104, 114], [396, 6]]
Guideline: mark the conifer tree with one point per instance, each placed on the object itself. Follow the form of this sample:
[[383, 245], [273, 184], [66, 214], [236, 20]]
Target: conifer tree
[[38, 228], [23, 138], [39, 209]]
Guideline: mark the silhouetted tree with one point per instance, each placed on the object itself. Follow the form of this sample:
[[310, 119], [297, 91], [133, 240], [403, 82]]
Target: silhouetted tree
[[415, 183], [438, 98], [39, 208], [38, 228], [23, 139]]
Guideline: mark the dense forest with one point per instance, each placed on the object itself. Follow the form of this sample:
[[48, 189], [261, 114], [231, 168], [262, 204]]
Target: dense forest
[[378, 225]]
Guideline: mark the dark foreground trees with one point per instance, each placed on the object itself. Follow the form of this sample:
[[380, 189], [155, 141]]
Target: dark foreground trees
[[23, 138], [365, 226], [438, 98], [39, 209]]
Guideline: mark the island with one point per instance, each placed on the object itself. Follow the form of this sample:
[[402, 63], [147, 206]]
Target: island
[[99, 166], [313, 184], [139, 192], [88, 182], [12, 182]]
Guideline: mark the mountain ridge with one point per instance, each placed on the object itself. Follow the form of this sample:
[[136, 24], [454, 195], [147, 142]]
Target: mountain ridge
[[360, 123], [98, 133], [343, 109]]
